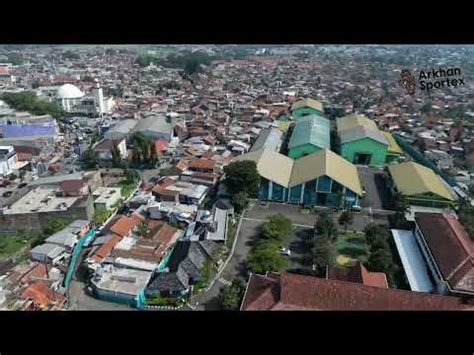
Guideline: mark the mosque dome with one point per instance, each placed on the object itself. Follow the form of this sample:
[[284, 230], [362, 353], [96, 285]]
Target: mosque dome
[[69, 91]]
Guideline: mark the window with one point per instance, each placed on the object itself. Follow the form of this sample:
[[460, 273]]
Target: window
[[324, 184]]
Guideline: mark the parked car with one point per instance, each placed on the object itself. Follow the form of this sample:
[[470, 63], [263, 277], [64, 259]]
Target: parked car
[[7, 194], [356, 208], [284, 251]]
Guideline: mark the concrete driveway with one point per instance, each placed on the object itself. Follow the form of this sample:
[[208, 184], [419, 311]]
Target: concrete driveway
[[377, 195]]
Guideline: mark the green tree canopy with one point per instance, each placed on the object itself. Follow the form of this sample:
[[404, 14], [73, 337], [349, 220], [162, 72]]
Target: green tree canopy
[[232, 295], [239, 201], [242, 176], [54, 226], [346, 218], [29, 101], [323, 253], [265, 257], [325, 226], [277, 228]]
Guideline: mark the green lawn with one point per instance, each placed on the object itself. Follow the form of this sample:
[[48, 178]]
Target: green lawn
[[11, 244], [350, 247]]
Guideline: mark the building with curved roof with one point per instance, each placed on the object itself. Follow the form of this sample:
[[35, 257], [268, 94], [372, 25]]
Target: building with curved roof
[[69, 96]]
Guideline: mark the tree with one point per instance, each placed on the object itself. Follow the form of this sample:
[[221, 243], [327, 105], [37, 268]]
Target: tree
[[239, 201], [401, 208], [376, 236], [192, 66], [466, 216], [325, 226], [242, 176], [277, 228], [323, 253], [116, 156], [380, 261], [346, 218], [265, 257], [231, 296], [54, 226], [90, 158], [35, 84], [143, 229], [29, 101]]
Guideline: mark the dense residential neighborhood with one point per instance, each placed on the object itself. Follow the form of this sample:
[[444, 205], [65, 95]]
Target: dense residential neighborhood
[[234, 177]]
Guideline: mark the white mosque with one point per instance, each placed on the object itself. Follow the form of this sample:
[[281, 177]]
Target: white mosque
[[73, 100], [69, 96]]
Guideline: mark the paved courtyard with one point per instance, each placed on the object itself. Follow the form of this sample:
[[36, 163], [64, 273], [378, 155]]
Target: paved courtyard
[[377, 196]]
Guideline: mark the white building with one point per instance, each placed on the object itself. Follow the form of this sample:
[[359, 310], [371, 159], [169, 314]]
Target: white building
[[69, 97], [8, 160]]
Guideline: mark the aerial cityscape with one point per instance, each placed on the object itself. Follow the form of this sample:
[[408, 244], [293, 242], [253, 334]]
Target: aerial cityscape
[[236, 177]]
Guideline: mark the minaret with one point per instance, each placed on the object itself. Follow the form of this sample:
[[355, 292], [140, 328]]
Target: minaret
[[99, 98]]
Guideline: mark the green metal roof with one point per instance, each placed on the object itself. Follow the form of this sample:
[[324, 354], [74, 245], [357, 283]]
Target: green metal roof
[[312, 129]]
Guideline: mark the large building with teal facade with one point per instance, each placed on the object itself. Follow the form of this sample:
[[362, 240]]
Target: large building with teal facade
[[310, 134], [322, 178], [361, 142], [305, 107]]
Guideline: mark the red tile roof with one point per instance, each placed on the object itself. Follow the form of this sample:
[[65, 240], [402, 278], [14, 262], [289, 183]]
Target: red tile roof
[[201, 163], [359, 274], [125, 224], [181, 165], [37, 271], [450, 246], [105, 249], [42, 295], [297, 292], [161, 145]]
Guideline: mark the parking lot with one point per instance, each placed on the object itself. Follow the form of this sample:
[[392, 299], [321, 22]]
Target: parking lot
[[293, 212], [377, 195], [299, 243]]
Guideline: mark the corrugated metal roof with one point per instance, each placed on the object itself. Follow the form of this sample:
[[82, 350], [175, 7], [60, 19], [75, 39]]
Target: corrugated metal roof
[[362, 132], [393, 146], [356, 126], [288, 172], [326, 162], [412, 179], [30, 129], [355, 120], [271, 165], [313, 129], [308, 102]]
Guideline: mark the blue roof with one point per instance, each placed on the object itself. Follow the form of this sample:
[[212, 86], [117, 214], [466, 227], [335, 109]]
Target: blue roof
[[29, 129]]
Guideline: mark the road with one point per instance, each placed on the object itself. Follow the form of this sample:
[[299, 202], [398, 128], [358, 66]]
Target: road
[[247, 235]]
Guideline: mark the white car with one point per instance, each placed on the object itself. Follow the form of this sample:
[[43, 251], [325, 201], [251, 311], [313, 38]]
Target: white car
[[284, 251]]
